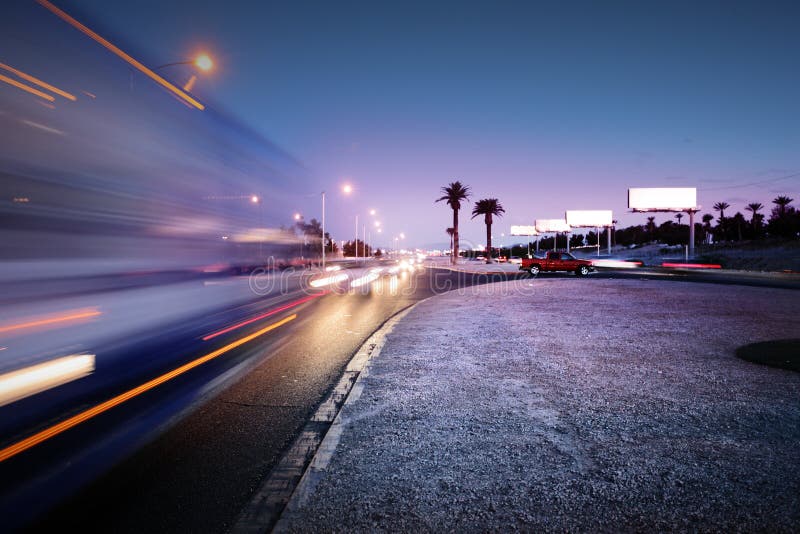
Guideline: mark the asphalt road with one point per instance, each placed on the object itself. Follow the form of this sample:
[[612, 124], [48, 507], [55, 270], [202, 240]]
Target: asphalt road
[[187, 455]]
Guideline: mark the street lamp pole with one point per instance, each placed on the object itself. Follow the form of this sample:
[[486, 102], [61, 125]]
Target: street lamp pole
[[355, 243], [323, 231]]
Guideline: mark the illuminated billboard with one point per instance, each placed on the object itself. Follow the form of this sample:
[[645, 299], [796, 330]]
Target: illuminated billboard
[[523, 230], [589, 218], [662, 198], [547, 226]]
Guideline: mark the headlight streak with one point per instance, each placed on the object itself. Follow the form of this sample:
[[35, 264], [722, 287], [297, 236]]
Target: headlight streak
[[617, 264], [25, 382], [63, 426], [358, 282], [328, 280]]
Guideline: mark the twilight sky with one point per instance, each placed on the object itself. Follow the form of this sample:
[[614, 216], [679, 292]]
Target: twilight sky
[[547, 106]]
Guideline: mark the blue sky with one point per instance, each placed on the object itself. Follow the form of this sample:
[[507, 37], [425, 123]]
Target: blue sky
[[547, 106]]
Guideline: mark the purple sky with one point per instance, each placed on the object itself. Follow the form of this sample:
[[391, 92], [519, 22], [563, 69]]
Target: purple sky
[[546, 106]]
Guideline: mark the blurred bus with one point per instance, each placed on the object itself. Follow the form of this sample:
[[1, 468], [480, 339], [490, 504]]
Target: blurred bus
[[103, 170]]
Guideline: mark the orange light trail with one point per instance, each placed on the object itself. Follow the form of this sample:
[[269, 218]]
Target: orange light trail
[[50, 320], [116, 50], [63, 426], [26, 88], [38, 82]]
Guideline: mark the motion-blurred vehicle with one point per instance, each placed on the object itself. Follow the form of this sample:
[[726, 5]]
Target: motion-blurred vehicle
[[516, 260], [557, 261]]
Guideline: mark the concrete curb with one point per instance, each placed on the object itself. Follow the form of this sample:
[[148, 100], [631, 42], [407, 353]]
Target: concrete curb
[[319, 463], [456, 269], [294, 477]]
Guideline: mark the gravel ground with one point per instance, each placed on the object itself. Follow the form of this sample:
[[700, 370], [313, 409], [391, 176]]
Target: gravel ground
[[566, 404]]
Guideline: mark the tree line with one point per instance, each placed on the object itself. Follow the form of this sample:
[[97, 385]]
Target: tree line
[[783, 223]]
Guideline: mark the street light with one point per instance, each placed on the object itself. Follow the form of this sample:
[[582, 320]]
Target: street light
[[255, 199], [203, 62], [324, 243]]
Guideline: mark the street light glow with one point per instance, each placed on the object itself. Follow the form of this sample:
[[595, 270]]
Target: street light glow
[[254, 199], [402, 236], [347, 188], [297, 216], [377, 224], [372, 212], [203, 62]]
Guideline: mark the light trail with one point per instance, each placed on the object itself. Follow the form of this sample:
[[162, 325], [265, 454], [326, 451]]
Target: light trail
[[358, 282], [63, 426], [25, 382], [692, 265], [37, 81], [262, 316], [26, 88], [73, 316], [617, 264], [335, 279], [116, 50]]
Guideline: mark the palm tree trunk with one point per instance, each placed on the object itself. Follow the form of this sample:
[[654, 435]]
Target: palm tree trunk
[[454, 257], [488, 242]]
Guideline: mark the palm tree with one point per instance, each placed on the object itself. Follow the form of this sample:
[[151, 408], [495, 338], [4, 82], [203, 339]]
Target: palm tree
[[707, 218], [451, 232], [651, 227], [754, 207], [454, 194], [781, 202], [721, 207], [679, 216], [488, 207]]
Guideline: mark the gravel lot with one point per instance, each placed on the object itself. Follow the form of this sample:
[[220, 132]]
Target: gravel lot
[[569, 404]]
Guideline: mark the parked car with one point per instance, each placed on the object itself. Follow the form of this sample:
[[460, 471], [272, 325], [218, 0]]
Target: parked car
[[516, 260]]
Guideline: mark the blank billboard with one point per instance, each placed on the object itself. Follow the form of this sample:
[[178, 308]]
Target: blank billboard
[[523, 230], [589, 218], [662, 198], [546, 226]]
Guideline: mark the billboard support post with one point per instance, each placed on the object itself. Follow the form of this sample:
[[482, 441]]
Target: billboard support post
[[608, 228], [527, 231]]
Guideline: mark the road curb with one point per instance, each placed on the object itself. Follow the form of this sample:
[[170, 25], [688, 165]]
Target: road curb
[[297, 473], [454, 269]]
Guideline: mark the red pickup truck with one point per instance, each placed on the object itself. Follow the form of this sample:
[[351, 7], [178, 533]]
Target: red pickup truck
[[557, 261]]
